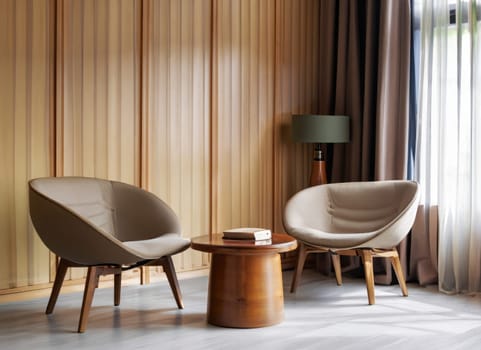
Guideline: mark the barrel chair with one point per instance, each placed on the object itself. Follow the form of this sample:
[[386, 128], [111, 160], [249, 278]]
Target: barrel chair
[[367, 219], [106, 226]]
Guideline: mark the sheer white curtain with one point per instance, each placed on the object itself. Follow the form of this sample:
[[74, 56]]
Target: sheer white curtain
[[448, 150]]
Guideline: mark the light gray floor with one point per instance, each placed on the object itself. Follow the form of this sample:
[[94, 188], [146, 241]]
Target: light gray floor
[[319, 315]]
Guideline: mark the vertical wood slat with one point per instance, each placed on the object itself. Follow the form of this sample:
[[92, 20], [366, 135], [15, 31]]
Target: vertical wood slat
[[176, 113], [98, 84], [99, 88], [25, 132], [297, 31], [243, 113], [214, 111]]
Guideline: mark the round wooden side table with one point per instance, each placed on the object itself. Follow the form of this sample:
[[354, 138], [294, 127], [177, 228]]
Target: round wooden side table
[[245, 281]]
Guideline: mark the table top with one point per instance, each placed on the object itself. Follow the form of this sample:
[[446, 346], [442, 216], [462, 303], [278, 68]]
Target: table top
[[279, 243]]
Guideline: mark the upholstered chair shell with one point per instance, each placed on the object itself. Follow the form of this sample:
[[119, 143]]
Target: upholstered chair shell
[[106, 226], [367, 219]]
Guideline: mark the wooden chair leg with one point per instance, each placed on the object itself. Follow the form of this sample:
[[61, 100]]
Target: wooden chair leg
[[301, 259], [144, 275], [169, 270], [366, 257], [57, 285], [117, 287], [336, 262], [396, 264], [90, 284]]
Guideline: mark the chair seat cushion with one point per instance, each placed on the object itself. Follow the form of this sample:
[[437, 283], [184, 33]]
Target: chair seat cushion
[[167, 244], [331, 240]]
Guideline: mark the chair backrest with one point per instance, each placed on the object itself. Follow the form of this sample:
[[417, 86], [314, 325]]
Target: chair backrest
[[367, 206], [350, 207], [85, 220], [89, 198]]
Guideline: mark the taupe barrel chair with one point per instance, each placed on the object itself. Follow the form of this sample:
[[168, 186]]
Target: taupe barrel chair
[[367, 219], [107, 226]]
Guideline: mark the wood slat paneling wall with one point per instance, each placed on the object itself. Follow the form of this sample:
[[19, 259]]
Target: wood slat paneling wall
[[98, 89], [297, 92], [189, 99], [26, 87], [176, 113], [244, 113]]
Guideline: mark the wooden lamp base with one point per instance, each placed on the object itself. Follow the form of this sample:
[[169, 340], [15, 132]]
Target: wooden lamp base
[[318, 173], [318, 169]]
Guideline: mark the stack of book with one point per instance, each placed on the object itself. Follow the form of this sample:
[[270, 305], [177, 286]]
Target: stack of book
[[250, 233]]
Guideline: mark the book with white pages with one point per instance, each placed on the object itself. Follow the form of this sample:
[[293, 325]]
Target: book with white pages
[[252, 233]]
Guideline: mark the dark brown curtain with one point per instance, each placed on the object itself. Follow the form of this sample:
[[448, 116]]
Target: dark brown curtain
[[364, 73]]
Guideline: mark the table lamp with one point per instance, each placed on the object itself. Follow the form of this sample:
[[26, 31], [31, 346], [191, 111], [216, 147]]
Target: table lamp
[[319, 129]]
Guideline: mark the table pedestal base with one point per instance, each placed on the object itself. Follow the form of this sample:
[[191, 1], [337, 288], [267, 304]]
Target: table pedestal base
[[245, 291]]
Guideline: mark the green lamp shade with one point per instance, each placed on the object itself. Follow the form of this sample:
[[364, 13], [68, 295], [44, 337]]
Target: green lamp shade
[[320, 128]]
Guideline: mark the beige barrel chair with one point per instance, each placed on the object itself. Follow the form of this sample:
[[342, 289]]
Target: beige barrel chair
[[106, 226], [367, 219]]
